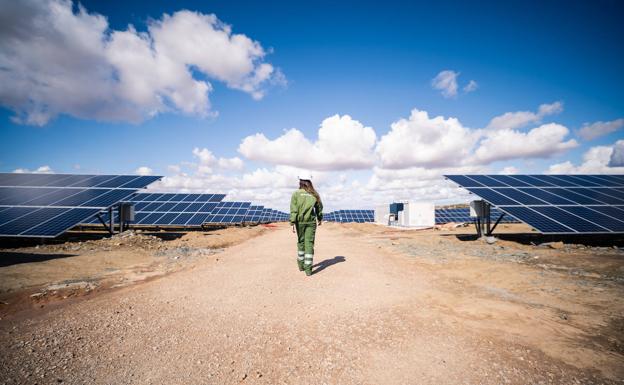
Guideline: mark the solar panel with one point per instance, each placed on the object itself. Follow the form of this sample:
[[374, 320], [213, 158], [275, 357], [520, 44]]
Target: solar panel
[[555, 204], [254, 214], [47, 205], [462, 214], [170, 209], [346, 216], [228, 213]]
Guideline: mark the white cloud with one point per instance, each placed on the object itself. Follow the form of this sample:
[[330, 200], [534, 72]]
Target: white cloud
[[207, 162], [519, 119], [540, 142], [596, 160], [617, 156], [425, 142], [343, 143], [421, 141], [234, 163], [205, 156], [471, 86], [144, 170], [598, 129], [40, 170], [446, 83], [47, 50]]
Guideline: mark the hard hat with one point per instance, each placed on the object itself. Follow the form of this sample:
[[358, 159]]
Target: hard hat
[[305, 176]]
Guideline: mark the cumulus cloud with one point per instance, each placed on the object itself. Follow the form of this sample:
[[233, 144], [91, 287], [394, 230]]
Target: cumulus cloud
[[446, 83], [596, 160], [40, 170], [519, 119], [234, 163], [343, 143], [591, 131], [57, 61], [425, 142], [144, 170], [540, 142], [617, 156], [208, 161]]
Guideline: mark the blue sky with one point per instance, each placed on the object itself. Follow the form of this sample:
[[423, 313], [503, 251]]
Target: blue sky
[[373, 62]]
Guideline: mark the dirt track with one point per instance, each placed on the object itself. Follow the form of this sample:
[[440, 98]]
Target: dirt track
[[380, 309]]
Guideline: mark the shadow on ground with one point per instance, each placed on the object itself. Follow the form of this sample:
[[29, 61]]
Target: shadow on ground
[[603, 240], [327, 263], [10, 258], [76, 237]]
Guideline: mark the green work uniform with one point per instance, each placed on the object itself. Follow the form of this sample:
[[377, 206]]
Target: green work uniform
[[304, 211]]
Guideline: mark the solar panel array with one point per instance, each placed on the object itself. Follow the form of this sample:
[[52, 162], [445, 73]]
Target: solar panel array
[[254, 214], [193, 210], [555, 204], [345, 216], [47, 205], [462, 214], [228, 213], [272, 215]]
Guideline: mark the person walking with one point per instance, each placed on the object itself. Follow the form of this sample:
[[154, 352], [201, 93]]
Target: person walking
[[306, 209]]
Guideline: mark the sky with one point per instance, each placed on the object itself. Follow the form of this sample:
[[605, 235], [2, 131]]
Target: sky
[[376, 100]]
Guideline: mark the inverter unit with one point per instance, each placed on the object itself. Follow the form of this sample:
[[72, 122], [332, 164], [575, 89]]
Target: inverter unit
[[127, 211]]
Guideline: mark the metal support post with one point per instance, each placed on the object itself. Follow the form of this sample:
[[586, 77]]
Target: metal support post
[[111, 220], [99, 217], [120, 217], [496, 223]]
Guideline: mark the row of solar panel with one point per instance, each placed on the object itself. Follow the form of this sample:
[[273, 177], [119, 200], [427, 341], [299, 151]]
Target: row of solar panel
[[41, 205], [74, 180], [217, 213], [175, 207], [519, 196], [560, 204], [41, 222], [538, 180], [569, 219], [62, 197], [178, 198], [347, 216], [443, 216]]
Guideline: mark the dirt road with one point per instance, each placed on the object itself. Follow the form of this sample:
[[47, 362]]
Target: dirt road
[[370, 314]]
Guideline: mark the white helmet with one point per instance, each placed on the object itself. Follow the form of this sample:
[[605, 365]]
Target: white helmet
[[305, 176]]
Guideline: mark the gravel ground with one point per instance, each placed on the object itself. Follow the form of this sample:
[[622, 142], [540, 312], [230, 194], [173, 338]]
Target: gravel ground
[[374, 312]]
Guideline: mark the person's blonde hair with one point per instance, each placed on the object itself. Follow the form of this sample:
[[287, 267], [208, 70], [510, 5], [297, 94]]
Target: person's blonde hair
[[308, 187]]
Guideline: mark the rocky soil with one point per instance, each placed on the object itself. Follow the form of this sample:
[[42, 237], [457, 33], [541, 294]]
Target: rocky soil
[[383, 307]]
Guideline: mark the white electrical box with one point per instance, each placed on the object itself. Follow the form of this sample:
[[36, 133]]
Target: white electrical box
[[382, 214], [419, 214]]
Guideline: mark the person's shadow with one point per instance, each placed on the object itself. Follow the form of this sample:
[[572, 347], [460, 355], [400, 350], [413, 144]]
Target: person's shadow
[[327, 263]]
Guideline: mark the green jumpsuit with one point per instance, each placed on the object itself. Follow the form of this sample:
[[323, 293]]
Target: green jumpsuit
[[304, 211]]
